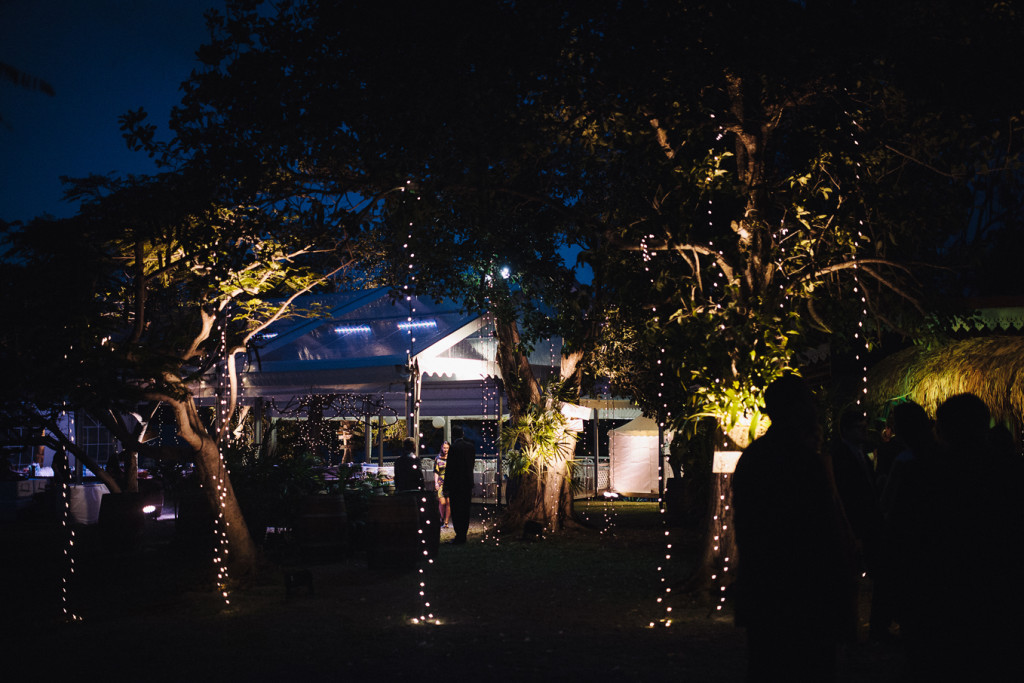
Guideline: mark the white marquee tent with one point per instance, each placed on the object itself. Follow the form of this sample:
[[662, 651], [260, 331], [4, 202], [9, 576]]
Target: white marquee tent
[[633, 450]]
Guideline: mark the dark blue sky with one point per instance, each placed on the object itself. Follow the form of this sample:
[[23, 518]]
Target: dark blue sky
[[103, 58]]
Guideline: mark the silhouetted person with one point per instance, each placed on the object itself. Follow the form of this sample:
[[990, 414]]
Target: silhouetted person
[[1001, 439], [963, 589], [854, 477], [855, 481], [458, 482], [796, 583], [408, 473], [914, 436], [886, 452], [914, 442]]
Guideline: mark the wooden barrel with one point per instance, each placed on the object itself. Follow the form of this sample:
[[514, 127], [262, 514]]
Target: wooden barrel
[[394, 539], [321, 524]]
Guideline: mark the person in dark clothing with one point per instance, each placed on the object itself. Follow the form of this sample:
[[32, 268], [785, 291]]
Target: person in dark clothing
[[458, 483], [855, 482], [796, 581], [408, 473], [854, 477], [964, 598], [914, 442]]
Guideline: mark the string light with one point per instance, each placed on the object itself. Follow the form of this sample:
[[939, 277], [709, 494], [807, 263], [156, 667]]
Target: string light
[[489, 398], [858, 288], [69, 529], [412, 401], [608, 512], [662, 600], [722, 539], [722, 514], [423, 529], [221, 548]]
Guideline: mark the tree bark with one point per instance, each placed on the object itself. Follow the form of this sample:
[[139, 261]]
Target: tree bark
[[242, 557], [521, 387], [544, 497]]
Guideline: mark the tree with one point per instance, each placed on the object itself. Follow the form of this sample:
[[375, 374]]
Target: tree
[[153, 286], [797, 194], [736, 174], [25, 80], [363, 110]]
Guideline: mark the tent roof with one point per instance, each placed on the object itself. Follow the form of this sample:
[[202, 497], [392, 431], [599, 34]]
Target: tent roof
[[359, 343], [360, 329], [640, 426]]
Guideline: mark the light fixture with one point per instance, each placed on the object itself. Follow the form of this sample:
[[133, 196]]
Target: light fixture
[[352, 329], [416, 324]]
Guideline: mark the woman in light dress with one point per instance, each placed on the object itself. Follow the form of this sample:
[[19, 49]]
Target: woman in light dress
[[439, 464]]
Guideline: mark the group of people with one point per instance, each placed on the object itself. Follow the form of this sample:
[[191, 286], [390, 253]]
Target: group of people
[[453, 480], [932, 520]]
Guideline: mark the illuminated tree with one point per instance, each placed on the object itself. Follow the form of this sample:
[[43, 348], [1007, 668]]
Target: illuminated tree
[[154, 285], [742, 178]]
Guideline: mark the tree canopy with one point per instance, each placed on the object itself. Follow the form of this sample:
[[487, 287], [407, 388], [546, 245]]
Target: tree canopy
[[739, 176], [739, 179], [156, 285]]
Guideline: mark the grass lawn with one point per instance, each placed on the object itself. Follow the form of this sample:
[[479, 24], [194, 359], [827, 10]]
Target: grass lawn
[[576, 605]]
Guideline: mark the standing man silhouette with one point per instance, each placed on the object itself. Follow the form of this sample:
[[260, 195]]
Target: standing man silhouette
[[796, 587], [458, 482]]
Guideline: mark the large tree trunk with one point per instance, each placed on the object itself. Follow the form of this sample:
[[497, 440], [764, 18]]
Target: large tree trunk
[[521, 387], [543, 497], [217, 485], [713, 570]]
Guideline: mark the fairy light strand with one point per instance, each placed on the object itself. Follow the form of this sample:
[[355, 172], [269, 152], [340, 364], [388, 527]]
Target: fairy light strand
[[491, 528], [722, 513], [221, 545], [69, 529], [412, 400], [858, 288], [662, 600]]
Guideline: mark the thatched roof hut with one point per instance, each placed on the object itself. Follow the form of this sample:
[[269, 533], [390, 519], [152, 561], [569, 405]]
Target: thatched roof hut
[[990, 367]]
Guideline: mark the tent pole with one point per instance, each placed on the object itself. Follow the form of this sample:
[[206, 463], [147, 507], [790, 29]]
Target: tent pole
[[368, 438], [417, 388], [380, 448], [497, 470], [597, 450], [661, 467]]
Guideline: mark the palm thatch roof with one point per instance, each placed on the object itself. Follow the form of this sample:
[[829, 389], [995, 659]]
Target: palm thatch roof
[[990, 367]]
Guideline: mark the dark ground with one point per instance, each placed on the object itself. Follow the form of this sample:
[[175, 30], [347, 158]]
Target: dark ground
[[573, 607]]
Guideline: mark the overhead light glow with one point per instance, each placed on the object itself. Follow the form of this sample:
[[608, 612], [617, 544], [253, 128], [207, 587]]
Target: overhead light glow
[[417, 324], [352, 329]]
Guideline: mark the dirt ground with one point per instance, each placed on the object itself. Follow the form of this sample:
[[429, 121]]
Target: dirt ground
[[573, 606]]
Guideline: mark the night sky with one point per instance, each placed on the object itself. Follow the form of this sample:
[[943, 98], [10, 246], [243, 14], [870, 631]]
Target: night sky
[[103, 58]]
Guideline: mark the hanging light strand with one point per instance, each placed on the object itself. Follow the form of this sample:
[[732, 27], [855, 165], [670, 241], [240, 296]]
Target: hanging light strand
[[413, 402], [662, 600], [68, 526], [221, 524], [857, 246]]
